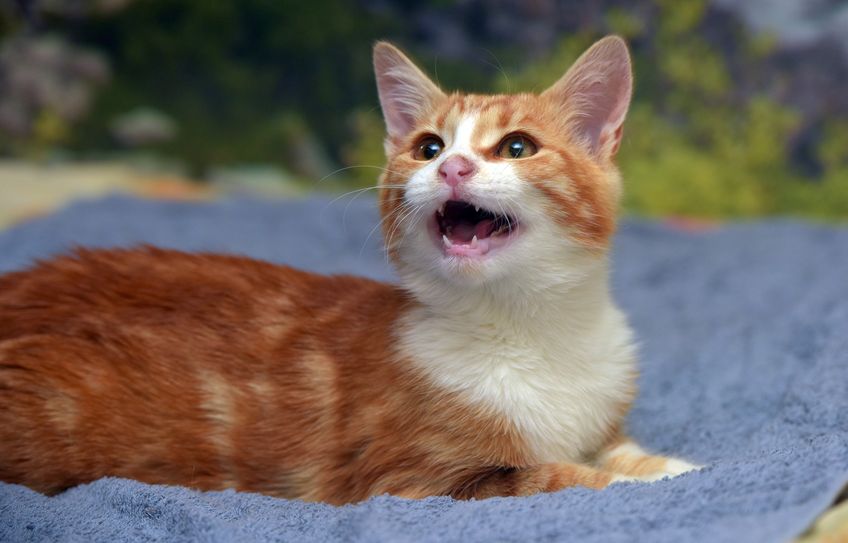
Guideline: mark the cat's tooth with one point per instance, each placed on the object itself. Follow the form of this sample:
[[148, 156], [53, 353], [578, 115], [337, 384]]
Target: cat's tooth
[[474, 241], [441, 209], [446, 241], [477, 209]]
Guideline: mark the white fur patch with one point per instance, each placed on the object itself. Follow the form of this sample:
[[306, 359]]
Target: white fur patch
[[462, 136], [560, 383], [674, 467], [628, 448]]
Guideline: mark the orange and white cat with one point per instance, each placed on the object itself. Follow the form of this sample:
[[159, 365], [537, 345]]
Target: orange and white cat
[[500, 365]]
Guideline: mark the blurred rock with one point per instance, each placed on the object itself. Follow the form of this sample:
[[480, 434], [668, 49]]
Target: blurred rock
[[46, 74], [260, 179], [143, 126]]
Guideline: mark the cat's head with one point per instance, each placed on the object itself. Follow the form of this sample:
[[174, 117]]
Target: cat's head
[[482, 188]]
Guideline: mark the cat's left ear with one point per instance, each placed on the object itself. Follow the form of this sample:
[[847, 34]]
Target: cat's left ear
[[406, 94], [594, 95]]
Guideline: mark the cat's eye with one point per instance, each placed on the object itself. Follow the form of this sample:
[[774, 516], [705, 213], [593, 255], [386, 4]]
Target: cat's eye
[[428, 148], [516, 146]]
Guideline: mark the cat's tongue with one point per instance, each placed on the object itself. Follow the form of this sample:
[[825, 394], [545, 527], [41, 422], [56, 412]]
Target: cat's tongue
[[464, 231], [484, 228]]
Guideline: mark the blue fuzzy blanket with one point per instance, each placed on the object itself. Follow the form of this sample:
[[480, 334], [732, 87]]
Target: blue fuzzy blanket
[[744, 342]]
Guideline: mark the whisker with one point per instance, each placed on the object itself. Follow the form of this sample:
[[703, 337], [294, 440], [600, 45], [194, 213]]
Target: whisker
[[357, 192], [510, 205], [500, 68], [411, 214], [397, 224], [505, 215], [382, 168], [412, 217], [376, 226], [508, 199]]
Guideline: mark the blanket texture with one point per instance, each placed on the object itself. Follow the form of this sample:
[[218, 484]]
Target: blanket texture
[[744, 358]]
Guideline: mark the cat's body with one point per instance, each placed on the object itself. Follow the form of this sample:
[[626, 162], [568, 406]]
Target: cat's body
[[500, 366]]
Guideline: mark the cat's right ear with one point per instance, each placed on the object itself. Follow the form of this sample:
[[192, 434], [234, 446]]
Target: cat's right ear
[[406, 94]]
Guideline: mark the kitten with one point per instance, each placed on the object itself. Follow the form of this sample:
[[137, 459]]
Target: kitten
[[499, 367]]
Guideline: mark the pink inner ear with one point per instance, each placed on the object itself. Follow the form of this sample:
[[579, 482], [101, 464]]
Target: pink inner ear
[[399, 103], [405, 92], [606, 107], [595, 94]]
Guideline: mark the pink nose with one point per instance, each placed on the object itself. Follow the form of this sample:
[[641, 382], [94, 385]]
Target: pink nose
[[456, 169]]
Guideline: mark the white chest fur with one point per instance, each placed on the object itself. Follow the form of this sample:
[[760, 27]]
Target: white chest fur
[[561, 378]]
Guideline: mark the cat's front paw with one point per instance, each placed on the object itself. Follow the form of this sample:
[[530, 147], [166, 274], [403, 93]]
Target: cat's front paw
[[673, 467]]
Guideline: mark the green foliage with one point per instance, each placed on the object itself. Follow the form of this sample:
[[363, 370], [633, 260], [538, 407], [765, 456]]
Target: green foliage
[[833, 150], [624, 23], [692, 146], [230, 72], [49, 130], [538, 76], [283, 81], [364, 152], [679, 18]]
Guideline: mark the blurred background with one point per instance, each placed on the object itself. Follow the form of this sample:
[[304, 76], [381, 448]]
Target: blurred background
[[740, 111]]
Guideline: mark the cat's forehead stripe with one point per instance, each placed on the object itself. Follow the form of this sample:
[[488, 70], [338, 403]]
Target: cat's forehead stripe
[[494, 116], [465, 131]]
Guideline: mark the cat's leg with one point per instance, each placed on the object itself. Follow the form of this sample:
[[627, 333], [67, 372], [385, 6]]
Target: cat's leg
[[626, 458], [536, 479]]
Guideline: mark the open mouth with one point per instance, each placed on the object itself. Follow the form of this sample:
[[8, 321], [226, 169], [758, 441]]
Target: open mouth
[[468, 230]]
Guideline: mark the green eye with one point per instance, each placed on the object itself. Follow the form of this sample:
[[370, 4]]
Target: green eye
[[428, 148], [516, 146]]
